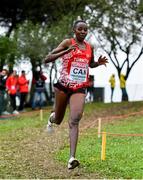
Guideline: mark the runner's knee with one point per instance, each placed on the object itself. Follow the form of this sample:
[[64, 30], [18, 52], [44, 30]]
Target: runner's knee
[[74, 120]]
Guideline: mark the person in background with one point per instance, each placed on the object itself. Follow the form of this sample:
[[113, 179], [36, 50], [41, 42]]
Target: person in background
[[90, 89], [112, 85], [3, 92], [76, 56], [123, 87], [39, 97], [23, 89], [12, 88]]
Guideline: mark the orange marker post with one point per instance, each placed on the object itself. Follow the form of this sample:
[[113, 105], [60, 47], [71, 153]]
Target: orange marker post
[[103, 151]]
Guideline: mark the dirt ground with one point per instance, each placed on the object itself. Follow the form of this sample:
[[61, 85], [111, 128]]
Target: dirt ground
[[54, 169], [33, 157]]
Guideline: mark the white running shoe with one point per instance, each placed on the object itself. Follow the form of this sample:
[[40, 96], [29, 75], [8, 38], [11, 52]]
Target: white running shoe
[[5, 113], [15, 112], [50, 122], [73, 163]]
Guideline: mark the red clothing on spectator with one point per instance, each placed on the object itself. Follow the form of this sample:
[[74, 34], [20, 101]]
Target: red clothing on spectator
[[12, 84], [23, 84]]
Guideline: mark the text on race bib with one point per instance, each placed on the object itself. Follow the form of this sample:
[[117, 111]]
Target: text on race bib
[[78, 72]]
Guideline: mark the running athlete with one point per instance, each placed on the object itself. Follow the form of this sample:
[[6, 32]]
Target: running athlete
[[77, 56]]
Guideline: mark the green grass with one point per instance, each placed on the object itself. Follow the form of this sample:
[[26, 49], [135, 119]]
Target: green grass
[[25, 152], [124, 155], [22, 121]]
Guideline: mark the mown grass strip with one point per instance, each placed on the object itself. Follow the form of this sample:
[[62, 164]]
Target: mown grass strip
[[123, 154]]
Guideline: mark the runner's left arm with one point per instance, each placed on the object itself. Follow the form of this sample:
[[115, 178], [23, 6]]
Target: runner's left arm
[[102, 60]]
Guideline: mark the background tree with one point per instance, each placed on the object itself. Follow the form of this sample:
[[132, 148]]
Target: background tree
[[117, 25], [119, 31], [8, 49], [34, 42], [14, 12], [31, 41], [46, 16]]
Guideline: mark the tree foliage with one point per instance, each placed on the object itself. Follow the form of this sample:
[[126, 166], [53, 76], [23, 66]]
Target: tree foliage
[[35, 41], [45, 12], [8, 49], [31, 41], [119, 30], [38, 26]]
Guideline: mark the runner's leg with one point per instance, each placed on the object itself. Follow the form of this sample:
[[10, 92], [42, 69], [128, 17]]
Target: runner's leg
[[77, 102], [61, 101]]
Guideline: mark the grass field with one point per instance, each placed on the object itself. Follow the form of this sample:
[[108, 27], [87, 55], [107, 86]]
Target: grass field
[[27, 151], [124, 155]]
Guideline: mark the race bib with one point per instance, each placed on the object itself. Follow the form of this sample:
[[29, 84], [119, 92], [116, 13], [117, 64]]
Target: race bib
[[78, 72]]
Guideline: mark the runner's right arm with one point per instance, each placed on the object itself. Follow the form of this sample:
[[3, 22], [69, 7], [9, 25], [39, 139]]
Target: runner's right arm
[[63, 48]]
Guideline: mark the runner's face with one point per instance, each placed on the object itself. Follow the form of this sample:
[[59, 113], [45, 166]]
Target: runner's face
[[81, 31]]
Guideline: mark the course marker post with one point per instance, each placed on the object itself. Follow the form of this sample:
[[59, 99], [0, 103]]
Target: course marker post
[[41, 114], [103, 151], [99, 127]]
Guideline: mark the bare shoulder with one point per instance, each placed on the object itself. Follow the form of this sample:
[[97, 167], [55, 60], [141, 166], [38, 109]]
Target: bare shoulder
[[66, 42]]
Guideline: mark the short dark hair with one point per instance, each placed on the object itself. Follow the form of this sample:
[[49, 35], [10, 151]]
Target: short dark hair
[[78, 21], [22, 71]]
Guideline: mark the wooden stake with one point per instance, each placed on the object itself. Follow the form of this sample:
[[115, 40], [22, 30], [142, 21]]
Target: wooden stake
[[103, 151], [41, 114]]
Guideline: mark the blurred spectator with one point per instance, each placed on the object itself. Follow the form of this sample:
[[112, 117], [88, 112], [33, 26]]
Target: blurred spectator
[[39, 97], [90, 89], [12, 87], [3, 92], [112, 85], [123, 87], [23, 89]]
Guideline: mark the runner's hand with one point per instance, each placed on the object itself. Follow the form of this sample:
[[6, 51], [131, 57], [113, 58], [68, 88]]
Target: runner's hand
[[102, 60], [72, 47]]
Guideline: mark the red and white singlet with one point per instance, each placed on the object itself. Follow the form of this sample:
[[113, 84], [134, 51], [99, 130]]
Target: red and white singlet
[[75, 67]]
